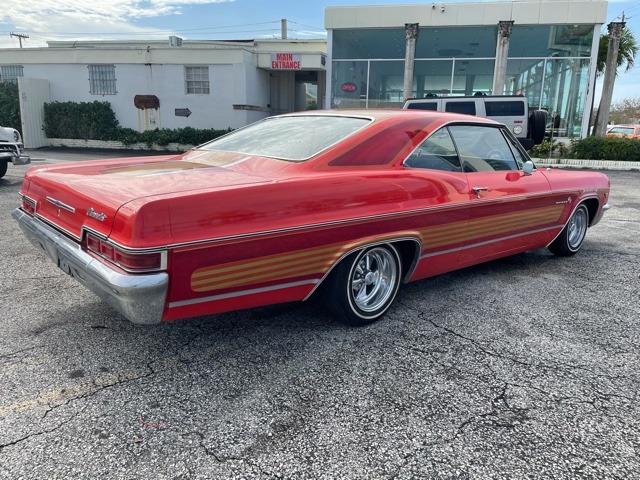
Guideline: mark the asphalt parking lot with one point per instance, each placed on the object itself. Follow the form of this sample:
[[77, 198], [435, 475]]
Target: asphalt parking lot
[[526, 367]]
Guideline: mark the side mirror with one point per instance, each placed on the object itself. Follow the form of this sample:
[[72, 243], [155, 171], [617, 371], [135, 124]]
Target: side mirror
[[528, 167]]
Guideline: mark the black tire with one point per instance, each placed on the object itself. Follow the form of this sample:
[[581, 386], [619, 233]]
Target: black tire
[[537, 126], [570, 239], [364, 285], [3, 168]]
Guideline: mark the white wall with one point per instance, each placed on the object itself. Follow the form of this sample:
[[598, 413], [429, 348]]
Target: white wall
[[229, 84]]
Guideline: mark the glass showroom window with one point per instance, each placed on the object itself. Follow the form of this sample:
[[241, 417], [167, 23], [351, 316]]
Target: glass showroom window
[[386, 80], [551, 41], [349, 84], [557, 85], [197, 80], [102, 79], [10, 73]]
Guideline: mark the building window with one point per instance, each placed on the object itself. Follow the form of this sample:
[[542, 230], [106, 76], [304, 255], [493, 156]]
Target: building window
[[10, 73], [102, 79], [197, 80]]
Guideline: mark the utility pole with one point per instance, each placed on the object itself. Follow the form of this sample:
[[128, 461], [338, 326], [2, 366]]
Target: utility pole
[[610, 70], [283, 28], [20, 37]]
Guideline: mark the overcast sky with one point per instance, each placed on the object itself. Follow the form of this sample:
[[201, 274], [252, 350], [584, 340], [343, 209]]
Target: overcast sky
[[46, 20]]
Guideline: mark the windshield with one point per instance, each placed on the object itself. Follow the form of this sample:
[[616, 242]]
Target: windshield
[[294, 138]]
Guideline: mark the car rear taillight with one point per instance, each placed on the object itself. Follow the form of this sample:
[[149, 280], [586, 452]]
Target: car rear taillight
[[131, 262], [29, 206], [145, 261]]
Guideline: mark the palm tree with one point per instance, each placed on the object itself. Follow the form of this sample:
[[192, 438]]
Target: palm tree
[[627, 51]]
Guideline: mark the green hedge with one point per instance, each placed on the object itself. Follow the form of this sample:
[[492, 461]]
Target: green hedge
[[97, 121], [596, 148], [164, 136], [86, 120], [10, 106]]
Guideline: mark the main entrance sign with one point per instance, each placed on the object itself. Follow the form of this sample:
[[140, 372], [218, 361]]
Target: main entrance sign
[[286, 61]]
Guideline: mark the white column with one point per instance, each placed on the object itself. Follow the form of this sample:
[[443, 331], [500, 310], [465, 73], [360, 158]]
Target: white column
[[502, 53], [411, 31]]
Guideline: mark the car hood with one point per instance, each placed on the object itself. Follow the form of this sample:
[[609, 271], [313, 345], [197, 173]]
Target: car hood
[[90, 193]]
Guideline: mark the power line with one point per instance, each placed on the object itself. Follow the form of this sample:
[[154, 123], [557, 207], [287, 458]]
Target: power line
[[157, 32], [308, 26]]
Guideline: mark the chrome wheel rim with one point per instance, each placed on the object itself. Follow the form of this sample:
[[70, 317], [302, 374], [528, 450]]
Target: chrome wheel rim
[[373, 279], [577, 228]]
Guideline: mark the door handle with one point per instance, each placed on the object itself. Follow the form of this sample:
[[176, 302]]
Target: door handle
[[477, 190]]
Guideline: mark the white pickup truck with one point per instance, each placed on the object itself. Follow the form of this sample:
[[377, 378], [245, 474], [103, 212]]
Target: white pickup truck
[[11, 149]]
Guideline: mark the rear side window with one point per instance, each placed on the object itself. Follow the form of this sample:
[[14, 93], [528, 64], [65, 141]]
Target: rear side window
[[504, 109], [621, 130], [468, 108], [436, 152], [433, 106]]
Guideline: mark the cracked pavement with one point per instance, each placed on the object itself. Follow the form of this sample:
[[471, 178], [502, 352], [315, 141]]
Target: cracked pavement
[[525, 367]]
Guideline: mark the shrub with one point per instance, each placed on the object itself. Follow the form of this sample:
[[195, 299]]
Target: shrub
[[10, 106], [548, 147], [542, 150], [86, 120], [97, 121], [596, 148]]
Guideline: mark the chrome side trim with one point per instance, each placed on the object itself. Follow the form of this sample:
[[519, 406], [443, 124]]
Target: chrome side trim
[[487, 242], [61, 205], [418, 211], [140, 298], [241, 293]]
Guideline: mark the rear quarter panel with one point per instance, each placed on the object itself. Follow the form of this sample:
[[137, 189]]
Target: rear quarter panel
[[274, 243], [570, 188]]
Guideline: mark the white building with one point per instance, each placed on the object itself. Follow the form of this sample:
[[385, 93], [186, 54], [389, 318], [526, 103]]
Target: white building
[[543, 49], [169, 84]]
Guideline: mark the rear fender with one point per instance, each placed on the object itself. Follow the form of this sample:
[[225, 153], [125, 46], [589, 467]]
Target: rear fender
[[408, 244]]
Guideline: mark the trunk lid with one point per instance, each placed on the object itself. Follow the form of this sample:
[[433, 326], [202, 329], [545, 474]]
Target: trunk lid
[[89, 194]]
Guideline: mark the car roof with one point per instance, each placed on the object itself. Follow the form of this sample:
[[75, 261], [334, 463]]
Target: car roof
[[389, 113]]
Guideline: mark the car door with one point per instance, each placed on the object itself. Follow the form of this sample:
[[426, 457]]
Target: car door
[[434, 179], [510, 211]]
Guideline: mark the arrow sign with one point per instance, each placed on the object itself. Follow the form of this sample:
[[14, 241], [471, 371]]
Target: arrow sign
[[183, 112]]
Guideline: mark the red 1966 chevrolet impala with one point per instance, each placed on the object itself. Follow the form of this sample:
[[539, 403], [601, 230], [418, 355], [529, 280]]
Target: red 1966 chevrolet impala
[[357, 202]]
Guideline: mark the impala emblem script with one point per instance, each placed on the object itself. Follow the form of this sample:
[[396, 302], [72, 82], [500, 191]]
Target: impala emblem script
[[98, 216]]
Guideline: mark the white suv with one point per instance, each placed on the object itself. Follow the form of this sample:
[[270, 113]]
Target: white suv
[[512, 110], [11, 149]]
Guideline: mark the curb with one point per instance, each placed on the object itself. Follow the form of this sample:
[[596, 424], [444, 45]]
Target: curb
[[593, 164]]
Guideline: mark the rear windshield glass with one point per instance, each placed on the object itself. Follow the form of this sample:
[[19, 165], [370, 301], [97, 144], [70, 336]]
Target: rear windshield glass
[[622, 130], [461, 107], [505, 108], [423, 106], [289, 138]]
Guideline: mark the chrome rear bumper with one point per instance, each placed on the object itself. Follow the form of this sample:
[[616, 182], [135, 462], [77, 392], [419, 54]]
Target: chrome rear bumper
[[140, 297]]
